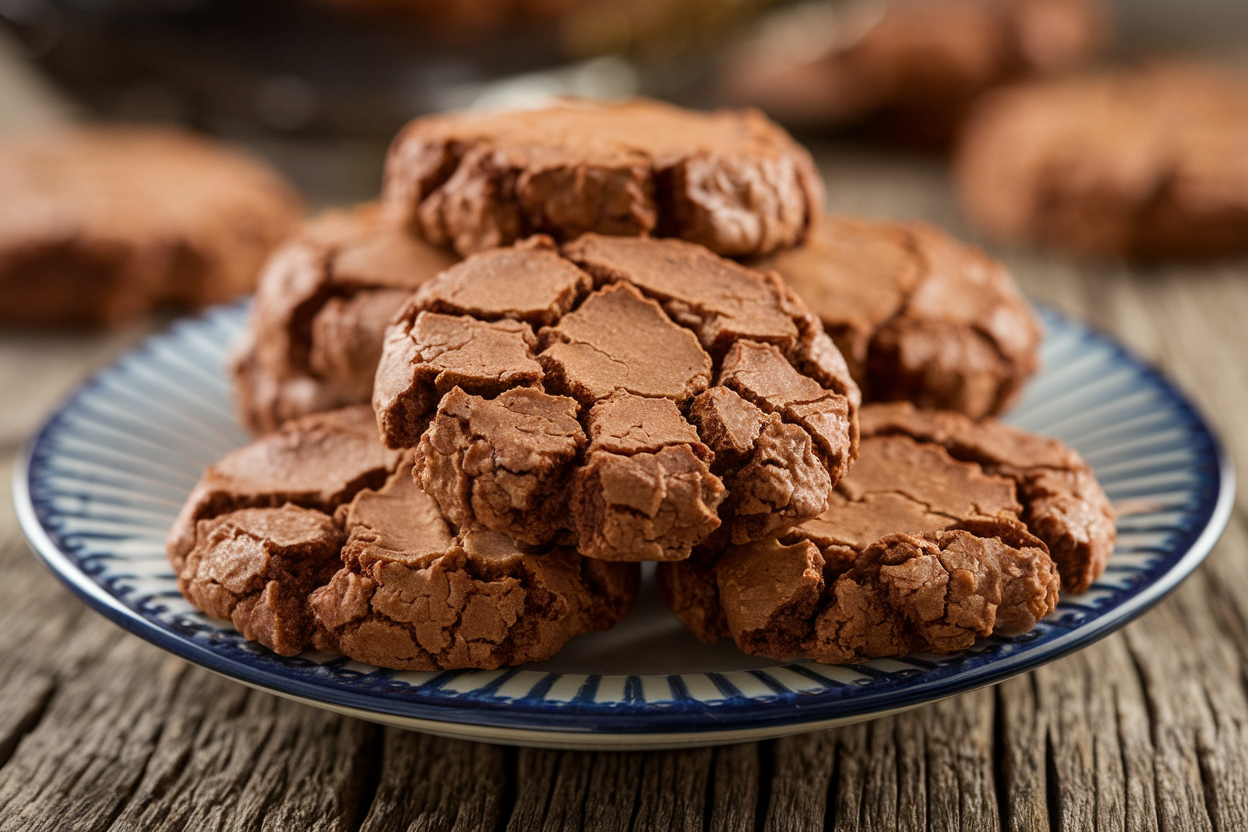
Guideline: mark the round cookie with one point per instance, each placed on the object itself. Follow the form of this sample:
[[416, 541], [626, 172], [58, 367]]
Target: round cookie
[[314, 336], [100, 225], [627, 395], [910, 68], [945, 531], [731, 181], [918, 315], [1143, 163], [315, 536]]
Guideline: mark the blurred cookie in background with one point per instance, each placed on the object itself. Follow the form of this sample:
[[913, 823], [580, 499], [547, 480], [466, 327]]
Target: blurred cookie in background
[[315, 334], [1145, 163], [908, 68], [919, 315], [100, 225], [464, 18], [583, 28]]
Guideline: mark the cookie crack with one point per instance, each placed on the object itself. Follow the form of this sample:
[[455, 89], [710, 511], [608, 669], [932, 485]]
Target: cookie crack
[[568, 340]]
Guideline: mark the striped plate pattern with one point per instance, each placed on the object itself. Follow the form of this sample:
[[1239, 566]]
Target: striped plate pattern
[[104, 477]]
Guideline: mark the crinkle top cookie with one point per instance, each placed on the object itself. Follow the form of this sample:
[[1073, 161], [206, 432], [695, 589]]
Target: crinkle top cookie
[[730, 180], [918, 315], [314, 335], [628, 395], [945, 531], [317, 537]]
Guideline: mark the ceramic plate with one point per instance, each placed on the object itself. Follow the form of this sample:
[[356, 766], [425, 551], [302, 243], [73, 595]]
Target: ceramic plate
[[102, 480]]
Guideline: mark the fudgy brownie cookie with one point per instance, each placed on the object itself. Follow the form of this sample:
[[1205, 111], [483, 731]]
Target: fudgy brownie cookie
[[624, 394], [918, 315], [1143, 163], [731, 181], [946, 530], [910, 67], [317, 536], [318, 462], [1063, 504], [100, 225], [314, 336]]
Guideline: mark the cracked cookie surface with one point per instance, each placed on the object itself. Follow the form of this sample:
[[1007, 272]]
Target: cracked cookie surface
[[1063, 504], [918, 315], [670, 372], [931, 542], [314, 334], [318, 461], [730, 180], [366, 565]]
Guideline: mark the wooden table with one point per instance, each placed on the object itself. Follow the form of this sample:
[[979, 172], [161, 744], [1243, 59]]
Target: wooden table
[[1146, 729]]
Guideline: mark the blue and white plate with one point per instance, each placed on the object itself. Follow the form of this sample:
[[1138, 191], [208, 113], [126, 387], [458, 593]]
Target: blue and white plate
[[102, 480]]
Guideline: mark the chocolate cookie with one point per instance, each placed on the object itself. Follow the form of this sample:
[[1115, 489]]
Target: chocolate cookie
[[731, 181], [945, 531], [918, 315], [625, 394], [314, 336], [101, 225], [317, 537], [1140, 163], [319, 462], [909, 68]]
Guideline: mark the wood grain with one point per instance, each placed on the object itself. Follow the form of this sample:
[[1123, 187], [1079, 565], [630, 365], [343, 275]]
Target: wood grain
[[1147, 729]]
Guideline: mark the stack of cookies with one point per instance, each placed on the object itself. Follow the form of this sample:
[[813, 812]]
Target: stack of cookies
[[654, 349]]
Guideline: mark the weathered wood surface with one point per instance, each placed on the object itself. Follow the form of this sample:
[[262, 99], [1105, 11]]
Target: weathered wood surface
[[1148, 729]]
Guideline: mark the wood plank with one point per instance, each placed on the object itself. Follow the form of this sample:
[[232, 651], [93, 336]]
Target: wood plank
[[1109, 787], [852, 761], [800, 782], [1021, 754], [1175, 706], [430, 783], [1133, 724], [734, 792], [672, 793], [1061, 696], [25, 694], [1209, 708], [233, 758], [912, 800], [541, 782], [78, 766], [960, 771], [610, 797]]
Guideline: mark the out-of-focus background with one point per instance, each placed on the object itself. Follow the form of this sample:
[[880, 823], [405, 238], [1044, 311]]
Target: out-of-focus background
[[319, 86]]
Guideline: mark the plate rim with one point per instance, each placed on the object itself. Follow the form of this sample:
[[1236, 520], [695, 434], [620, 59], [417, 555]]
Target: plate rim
[[500, 722]]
